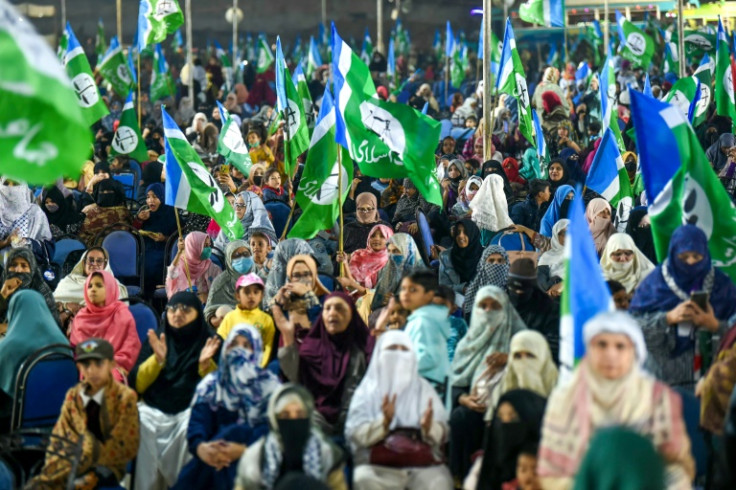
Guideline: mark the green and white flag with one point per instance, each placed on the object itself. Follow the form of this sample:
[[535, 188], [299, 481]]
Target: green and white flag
[[265, 57], [697, 42], [63, 43], [367, 52], [190, 186], [100, 41], [114, 69], [636, 45], [607, 94], [548, 13], [684, 91], [512, 80], [227, 67], [156, 20], [296, 132], [83, 83], [317, 195], [607, 176], [725, 105], [458, 65], [162, 85], [43, 134], [231, 145], [303, 90], [128, 139]]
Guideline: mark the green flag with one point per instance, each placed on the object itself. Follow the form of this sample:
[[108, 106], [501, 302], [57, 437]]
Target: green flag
[[724, 78], [697, 43], [303, 90], [317, 195], [637, 46], [265, 57], [162, 85], [684, 90], [296, 132], [63, 43], [78, 69], [548, 13], [100, 42], [512, 80], [127, 139], [367, 52], [607, 94], [231, 145], [457, 66], [114, 69], [156, 20], [43, 134], [227, 67]]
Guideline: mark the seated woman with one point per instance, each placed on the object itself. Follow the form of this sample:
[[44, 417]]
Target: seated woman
[[394, 401], [598, 215], [609, 387], [461, 209], [356, 232], [196, 248], [21, 273], [365, 263], [299, 301], [669, 318], [30, 327], [493, 270], [493, 322], [282, 254], [294, 445], [62, 213], [165, 376], [622, 261], [106, 317], [19, 216], [404, 259], [454, 175], [551, 265], [238, 262], [459, 264], [490, 209], [331, 359], [254, 182], [405, 214], [69, 293], [108, 209], [156, 223], [228, 413], [556, 211]]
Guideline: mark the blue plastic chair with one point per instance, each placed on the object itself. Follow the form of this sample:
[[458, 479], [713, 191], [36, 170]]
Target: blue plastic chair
[[145, 319], [41, 385], [445, 128], [127, 180], [64, 247], [425, 237], [126, 253], [327, 281], [279, 212]]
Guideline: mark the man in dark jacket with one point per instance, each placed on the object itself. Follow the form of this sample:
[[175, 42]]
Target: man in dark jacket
[[529, 213]]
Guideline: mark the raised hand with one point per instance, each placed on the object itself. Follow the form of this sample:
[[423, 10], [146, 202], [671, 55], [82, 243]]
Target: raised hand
[[427, 418], [389, 409], [158, 344], [209, 350]]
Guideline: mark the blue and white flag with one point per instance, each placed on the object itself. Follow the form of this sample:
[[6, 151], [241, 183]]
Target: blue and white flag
[[647, 86], [391, 61], [449, 41], [692, 109], [542, 151], [607, 176]]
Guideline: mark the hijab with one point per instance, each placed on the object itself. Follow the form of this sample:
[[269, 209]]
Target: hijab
[[197, 266], [71, 287], [554, 258], [104, 321], [222, 289], [367, 199], [117, 198], [564, 180], [277, 276], [256, 217], [642, 235], [239, 385], [398, 266], [488, 274], [630, 273], [488, 332], [462, 175], [511, 167], [465, 260], [556, 211], [466, 195], [30, 328], [490, 208], [317, 288], [494, 167], [65, 215], [324, 358], [601, 228], [29, 280], [163, 220], [407, 205], [716, 157], [15, 201], [571, 161], [538, 373], [366, 263]]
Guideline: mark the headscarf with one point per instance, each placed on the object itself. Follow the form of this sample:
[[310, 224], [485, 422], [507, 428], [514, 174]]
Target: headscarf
[[538, 374], [716, 157], [367, 199], [174, 387], [642, 235], [65, 215], [463, 174], [30, 327], [29, 280], [407, 205], [222, 290], [71, 287], [554, 211], [465, 260], [15, 201], [118, 195], [716, 391], [673, 280], [564, 180], [572, 165], [511, 167], [324, 358], [317, 287], [366, 263], [197, 117], [284, 251], [251, 174], [630, 273], [530, 165], [495, 167], [163, 220], [101, 321], [591, 156], [490, 208], [389, 278], [488, 274], [256, 217], [554, 258], [489, 332], [600, 228], [239, 384], [193, 247]]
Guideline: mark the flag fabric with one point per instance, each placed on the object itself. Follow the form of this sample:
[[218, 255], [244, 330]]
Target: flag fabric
[[391, 62], [317, 195], [542, 150], [265, 57], [437, 44], [114, 69], [100, 41], [607, 93], [693, 105], [384, 139], [63, 43], [583, 295], [162, 85], [128, 139], [189, 184], [670, 60], [449, 40], [607, 176], [548, 13], [697, 42], [314, 60], [296, 132], [512, 80], [693, 94], [302, 89], [366, 53], [457, 66], [178, 41], [227, 66], [647, 86], [156, 20], [131, 65], [725, 105], [636, 45], [78, 69], [681, 186], [495, 50], [44, 132], [230, 143]]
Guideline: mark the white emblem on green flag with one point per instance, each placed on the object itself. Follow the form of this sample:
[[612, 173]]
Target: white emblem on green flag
[[78, 69], [265, 57], [156, 20], [114, 68], [128, 139], [231, 145]]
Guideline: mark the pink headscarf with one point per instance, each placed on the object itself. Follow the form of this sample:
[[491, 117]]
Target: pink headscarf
[[365, 263], [193, 246], [589, 159], [600, 228]]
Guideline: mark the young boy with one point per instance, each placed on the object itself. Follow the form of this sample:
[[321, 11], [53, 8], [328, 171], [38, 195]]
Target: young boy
[[427, 326], [621, 298], [101, 411], [249, 294], [526, 470], [258, 151], [260, 246], [458, 328], [272, 189]]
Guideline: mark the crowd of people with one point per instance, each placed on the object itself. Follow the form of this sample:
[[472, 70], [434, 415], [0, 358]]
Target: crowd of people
[[372, 363]]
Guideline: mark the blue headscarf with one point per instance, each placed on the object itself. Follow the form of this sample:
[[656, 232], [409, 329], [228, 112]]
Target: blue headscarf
[[552, 215]]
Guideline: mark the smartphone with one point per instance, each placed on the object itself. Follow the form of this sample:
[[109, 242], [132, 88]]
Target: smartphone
[[700, 298], [224, 169]]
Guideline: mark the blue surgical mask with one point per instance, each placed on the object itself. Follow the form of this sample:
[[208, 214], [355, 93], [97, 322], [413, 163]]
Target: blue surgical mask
[[206, 252], [398, 259], [243, 264]]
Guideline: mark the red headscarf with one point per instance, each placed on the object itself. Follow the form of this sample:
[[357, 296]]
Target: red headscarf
[[365, 263], [511, 167], [550, 100]]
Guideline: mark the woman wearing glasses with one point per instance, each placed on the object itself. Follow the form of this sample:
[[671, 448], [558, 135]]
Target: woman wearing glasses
[[366, 217], [622, 261]]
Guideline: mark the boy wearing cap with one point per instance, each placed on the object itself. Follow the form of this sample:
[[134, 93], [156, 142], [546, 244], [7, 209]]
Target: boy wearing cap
[[249, 294], [104, 413]]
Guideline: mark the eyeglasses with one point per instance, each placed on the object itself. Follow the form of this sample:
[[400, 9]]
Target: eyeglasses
[[239, 206], [366, 210], [237, 255], [304, 275], [92, 261], [624, 253], [180, 307]]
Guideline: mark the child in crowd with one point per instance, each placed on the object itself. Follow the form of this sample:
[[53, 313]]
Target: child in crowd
[[249, 294], [220, 315], [260, 246], [526, 471], [259, 152], [102, 412], [272, 188], [427, 326], [620, 297], [392, 317], [445, 296]]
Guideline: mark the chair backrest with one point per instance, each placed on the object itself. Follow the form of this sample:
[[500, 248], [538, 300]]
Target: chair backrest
[[126, 256], [327, 281], [41, 386], [279, 212], [425, 237], [64, 247], [145, 319], [127, 180]]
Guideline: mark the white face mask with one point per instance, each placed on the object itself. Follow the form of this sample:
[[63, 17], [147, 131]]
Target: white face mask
[[622, 266], [397, 368]]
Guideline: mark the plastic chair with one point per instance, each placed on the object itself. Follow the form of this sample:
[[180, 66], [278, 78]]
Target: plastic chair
[[279, 213], [145, 318], [64, 246], [327, 281], [445, 128], [425, 238], [41, 385], [126, 253], [127, 180]]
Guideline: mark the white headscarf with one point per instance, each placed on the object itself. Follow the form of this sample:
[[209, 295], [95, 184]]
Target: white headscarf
[[14, 202], [617, 322], [630, 273], [490, 210], [71, 287], [555, 256]]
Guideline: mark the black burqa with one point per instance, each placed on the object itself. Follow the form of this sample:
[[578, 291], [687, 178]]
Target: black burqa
[[465, 260]]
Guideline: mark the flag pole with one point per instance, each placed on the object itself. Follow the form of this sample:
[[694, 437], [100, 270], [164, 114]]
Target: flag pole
[[487, 94], [183, 255], [139, 90], [190, 58], [339, 203], [447, 81], [119, 18], [288, 176], [681, 39]]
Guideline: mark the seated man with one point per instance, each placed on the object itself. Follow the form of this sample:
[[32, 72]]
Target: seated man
[[101, 411]]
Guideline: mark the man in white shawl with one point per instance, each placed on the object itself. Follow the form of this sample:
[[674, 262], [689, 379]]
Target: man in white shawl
[[490, 209]]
